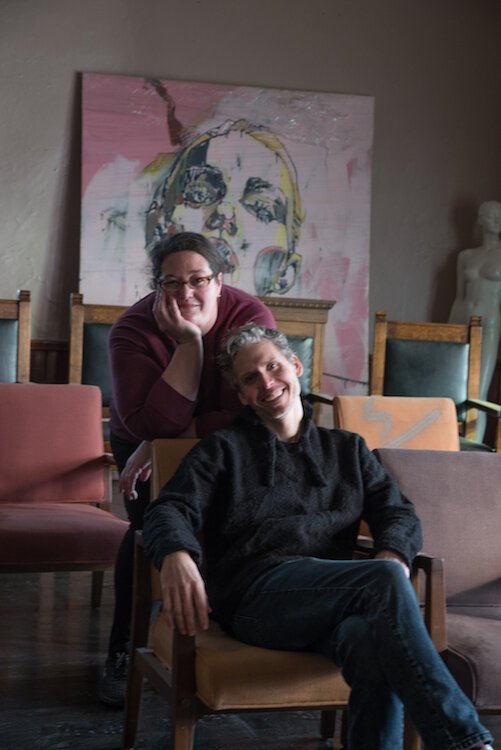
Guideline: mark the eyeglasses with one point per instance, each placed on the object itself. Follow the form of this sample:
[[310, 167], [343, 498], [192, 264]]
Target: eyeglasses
[[194, 282]]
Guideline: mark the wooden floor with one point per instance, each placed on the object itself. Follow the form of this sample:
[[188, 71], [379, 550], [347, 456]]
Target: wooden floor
[[52, 648]]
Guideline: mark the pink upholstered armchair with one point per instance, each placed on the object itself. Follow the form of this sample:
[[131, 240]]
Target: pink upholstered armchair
[[458, 498], [54, 482]]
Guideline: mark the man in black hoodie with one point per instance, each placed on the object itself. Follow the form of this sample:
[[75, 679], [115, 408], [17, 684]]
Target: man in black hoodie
[[280, 501]]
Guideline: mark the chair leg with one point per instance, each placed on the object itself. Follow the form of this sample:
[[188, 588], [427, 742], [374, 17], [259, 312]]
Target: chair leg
[[97, 588], [132, 705], [327, 724], [411, 737], [344, 728], [183, 728]]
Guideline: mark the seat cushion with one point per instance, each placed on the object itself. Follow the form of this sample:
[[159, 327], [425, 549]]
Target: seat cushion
[[41, 535], [475, 655], [272, 679]]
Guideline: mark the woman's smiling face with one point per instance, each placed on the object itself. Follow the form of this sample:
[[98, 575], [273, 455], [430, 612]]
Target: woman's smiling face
[[198, 305]]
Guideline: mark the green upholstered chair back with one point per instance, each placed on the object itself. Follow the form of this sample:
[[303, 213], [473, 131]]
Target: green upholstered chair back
[[15, 338], [95, 359], [437, 369], [303, 321], [302, 346], [8, 351]]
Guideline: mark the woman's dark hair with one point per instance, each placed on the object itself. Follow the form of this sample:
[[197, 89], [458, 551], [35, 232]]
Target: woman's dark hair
[[177, 243]]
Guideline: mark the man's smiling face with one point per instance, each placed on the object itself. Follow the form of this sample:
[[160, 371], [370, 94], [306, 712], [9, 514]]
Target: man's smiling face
[[267, 380]]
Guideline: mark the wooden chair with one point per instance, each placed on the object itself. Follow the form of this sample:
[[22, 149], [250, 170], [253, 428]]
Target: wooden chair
[[213, 672], [55, 482], [457, 497], [302, 320], [90, 327], [433, 359], [15, 338]]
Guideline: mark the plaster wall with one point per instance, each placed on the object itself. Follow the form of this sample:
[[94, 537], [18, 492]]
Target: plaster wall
[[433, 68]]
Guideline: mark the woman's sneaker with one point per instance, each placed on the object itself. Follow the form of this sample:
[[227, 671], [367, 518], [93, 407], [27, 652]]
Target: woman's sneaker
[[113, 682]]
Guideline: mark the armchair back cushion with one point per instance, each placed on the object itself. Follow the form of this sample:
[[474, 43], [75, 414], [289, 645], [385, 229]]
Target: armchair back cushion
[[399, 422], [457, 497], [41, 459]]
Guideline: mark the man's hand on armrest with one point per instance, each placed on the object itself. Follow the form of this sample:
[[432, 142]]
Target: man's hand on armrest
[[386, 554], [185, 601]]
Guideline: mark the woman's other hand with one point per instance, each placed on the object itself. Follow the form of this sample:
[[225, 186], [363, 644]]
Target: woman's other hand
[[137, 468]]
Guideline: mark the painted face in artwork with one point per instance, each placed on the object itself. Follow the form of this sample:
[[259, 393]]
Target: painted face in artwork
[[238, 191]]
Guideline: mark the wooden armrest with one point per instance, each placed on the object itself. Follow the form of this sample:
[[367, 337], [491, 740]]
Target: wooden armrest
[[434, 597], [486, 406], [434, 591], [319, 398]]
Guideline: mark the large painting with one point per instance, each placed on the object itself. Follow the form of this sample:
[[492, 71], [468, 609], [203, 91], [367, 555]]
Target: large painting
[[279, 179]]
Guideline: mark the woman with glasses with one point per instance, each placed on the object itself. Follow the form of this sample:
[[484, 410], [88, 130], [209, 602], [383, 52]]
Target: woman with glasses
[[166, 384]]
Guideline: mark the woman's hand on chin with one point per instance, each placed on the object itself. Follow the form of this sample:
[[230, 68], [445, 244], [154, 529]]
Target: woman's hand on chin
[[170, 321]]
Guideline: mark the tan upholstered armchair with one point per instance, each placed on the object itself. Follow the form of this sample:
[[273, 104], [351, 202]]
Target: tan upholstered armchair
[[215, 673]]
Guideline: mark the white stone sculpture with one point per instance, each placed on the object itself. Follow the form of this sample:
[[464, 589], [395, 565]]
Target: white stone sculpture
[[479, 292]]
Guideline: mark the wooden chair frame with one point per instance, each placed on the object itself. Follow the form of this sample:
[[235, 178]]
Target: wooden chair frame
[[20, 309], [451, 332], [80, 314], [294, 317]]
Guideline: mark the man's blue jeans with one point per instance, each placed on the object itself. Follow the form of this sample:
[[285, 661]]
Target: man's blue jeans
[[364, 616]]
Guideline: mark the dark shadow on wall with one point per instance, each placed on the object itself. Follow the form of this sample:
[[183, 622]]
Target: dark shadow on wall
[[464, 221], [63, 254]]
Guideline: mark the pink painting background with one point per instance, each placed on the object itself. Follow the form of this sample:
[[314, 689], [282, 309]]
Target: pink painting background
[[329, 140]]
